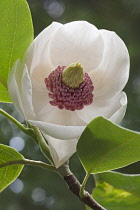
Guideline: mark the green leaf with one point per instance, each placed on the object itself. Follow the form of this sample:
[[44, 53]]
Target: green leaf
[[104, 146], [4, 95], [114, 199], [16, 33], [129, 183], [9, 173]]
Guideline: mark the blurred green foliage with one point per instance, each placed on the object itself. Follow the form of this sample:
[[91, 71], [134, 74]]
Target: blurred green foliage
[[45, 190], [115, 199]]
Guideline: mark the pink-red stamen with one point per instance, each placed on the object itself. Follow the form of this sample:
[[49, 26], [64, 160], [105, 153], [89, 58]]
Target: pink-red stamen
[[68, 98]]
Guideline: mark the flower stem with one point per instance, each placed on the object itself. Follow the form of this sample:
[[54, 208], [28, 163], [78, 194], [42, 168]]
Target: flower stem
[[43, 145], [27, 131], [33, 132], [29, 162]]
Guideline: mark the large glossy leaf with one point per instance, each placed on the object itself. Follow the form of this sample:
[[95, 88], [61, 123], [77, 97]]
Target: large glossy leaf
[[104, 146], [9, 173], [114, 199], [16, 33]]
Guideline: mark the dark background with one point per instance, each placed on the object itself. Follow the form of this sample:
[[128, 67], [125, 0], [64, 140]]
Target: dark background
[[37, 189]]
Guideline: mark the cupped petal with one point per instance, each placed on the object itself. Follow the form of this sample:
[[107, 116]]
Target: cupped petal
[[20, 90], [60, 150], [57, 116], [40, 100], [58, 131], [37, 56], [113, 109], [112, 74], [26, 95], [118, 116], [51, 114], [13, 88], [77, 41]]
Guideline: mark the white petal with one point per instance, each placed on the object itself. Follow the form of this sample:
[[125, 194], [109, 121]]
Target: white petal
[[112, 74], [26, 93], [37, 57], [13, 88], [107, 108], [57, 116], [20, 90], [40, 101], [58, 131], [61, 151], [118, 116], [52, 114], [77, 41]]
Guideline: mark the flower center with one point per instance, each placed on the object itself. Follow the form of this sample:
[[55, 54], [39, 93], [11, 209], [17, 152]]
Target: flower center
[[73, 75], [66, 97]]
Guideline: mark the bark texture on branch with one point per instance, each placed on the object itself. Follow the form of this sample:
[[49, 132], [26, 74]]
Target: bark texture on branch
[[74, 186]]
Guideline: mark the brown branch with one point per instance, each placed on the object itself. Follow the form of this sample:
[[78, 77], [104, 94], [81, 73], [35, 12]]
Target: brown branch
[[74, 186]]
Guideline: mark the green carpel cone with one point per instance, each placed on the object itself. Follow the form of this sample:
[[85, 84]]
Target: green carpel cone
[[73, 75]]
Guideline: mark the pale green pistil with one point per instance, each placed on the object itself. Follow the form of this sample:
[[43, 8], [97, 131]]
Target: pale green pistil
[[73, 75]]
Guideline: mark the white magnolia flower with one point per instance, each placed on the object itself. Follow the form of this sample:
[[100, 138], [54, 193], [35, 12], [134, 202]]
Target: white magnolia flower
[[104, 58]]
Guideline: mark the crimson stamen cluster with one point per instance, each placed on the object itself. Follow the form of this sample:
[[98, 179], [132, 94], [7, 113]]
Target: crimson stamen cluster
[[65, 97]]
